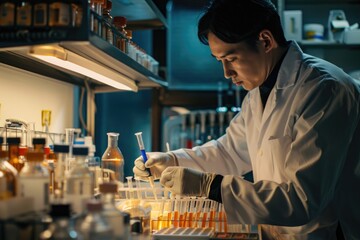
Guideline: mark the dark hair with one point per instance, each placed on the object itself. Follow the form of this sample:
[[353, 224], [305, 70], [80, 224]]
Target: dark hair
[[234, 21]]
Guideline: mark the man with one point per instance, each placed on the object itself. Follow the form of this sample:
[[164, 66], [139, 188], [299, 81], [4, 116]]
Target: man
[[297, 131]]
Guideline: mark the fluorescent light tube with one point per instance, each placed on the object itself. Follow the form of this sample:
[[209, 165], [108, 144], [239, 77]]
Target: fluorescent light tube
[[68, 60]]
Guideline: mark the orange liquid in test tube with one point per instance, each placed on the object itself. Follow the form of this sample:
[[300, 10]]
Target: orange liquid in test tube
[[176, 219]]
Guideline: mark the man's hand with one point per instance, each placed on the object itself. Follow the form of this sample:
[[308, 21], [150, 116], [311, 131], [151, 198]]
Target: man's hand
[[186, 181], [157, 162]]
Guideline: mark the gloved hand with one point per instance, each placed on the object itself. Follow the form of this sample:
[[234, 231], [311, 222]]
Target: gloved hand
[[157, 162], [186, 181]]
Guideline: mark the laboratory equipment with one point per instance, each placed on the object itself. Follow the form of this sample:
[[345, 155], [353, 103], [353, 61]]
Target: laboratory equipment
[[142, 148], [34, 180], [8, 176], [13, 151], [61, 226], [94, 226], [114, 217], [79, 186], [60, 170], [113, 160]]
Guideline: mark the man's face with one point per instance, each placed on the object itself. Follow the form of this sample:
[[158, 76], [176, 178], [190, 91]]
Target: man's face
[[244, 66]]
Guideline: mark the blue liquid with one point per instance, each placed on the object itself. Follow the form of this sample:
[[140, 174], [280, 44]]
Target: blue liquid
[[143, 154]]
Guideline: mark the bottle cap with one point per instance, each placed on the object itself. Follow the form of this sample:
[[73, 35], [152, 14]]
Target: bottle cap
[[60, 210], [81, 151], [23, 151], [39, 141], [61, 148], [94, 205], [13, 140], [120, 21], [47, 150], [1, 140], [34, 156], [108, 187], [126, 217]]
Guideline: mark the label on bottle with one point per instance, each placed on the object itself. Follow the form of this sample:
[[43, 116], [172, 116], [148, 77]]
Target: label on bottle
[[36, 187], [78, 190]]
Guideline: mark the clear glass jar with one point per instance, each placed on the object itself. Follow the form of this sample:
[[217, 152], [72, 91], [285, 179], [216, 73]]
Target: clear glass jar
[[34, 180], [94, 226], [112, 161], [114, 217], [61, 227], [79, 186]]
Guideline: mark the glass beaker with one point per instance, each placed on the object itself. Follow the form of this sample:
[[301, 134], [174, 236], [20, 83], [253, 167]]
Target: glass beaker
[[112, 161]]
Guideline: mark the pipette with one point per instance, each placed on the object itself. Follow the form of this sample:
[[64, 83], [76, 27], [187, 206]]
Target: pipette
[[143, 154]]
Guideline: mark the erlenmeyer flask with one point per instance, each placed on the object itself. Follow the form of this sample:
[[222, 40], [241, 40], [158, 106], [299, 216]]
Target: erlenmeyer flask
[[112, 161]]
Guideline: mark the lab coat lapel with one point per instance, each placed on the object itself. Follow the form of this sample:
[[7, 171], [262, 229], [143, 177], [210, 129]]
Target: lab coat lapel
[[256, 107]]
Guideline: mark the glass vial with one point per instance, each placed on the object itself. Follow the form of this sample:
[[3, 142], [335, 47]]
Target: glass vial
[[8, 176], [107, 32], [61, 227], [40, 14], [7, 14], [112, 161], [34, 180], [79, 186], [59, 14], [23, 14]]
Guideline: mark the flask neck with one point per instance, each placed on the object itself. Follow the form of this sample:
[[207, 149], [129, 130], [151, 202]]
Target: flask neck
[[113, 141]]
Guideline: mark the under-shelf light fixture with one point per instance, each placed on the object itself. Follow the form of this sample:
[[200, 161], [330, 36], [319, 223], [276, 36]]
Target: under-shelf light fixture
[[60, 57]]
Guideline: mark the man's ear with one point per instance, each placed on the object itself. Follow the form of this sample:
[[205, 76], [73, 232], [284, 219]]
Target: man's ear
[[267, 39]]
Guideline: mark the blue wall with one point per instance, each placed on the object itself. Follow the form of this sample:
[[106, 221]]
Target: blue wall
[[125, 113]]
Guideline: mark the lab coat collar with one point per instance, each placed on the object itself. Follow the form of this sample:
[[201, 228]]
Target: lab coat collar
[[286, 78], [290, 66]]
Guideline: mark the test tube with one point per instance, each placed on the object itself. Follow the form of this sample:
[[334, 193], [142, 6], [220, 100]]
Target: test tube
[[130, 186]]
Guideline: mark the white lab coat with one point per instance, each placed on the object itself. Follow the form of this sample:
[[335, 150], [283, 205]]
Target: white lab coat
[[302, 149]]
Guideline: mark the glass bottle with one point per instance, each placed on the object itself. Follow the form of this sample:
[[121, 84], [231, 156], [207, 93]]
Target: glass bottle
[[7, 14], [23, 14], [113, 160], [79, 186], [107, 32], [59, 14], [51, 162], [8, 176], [121, 35], [40, 14], [114, 217], [76, 13], [61, 227], [60, 150], [34, 180], [13, 147], [94, 226]]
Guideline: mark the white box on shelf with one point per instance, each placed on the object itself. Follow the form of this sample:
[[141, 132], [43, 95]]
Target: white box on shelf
[[293, 24], [352, 36]]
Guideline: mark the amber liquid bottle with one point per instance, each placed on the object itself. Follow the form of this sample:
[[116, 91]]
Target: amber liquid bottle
[[13, 148], [112, 161], [8, 176]]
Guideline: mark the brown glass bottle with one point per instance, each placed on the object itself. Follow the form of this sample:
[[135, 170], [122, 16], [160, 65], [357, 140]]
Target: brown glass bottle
[[7, 16], [23, 14], [8, 177], [13, 151]]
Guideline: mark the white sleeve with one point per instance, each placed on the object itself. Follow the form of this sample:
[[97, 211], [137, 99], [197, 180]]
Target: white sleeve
[[226, 155]]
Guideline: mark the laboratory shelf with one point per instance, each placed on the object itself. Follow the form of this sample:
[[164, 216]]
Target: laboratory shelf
[[16, 43], [141, 14]]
